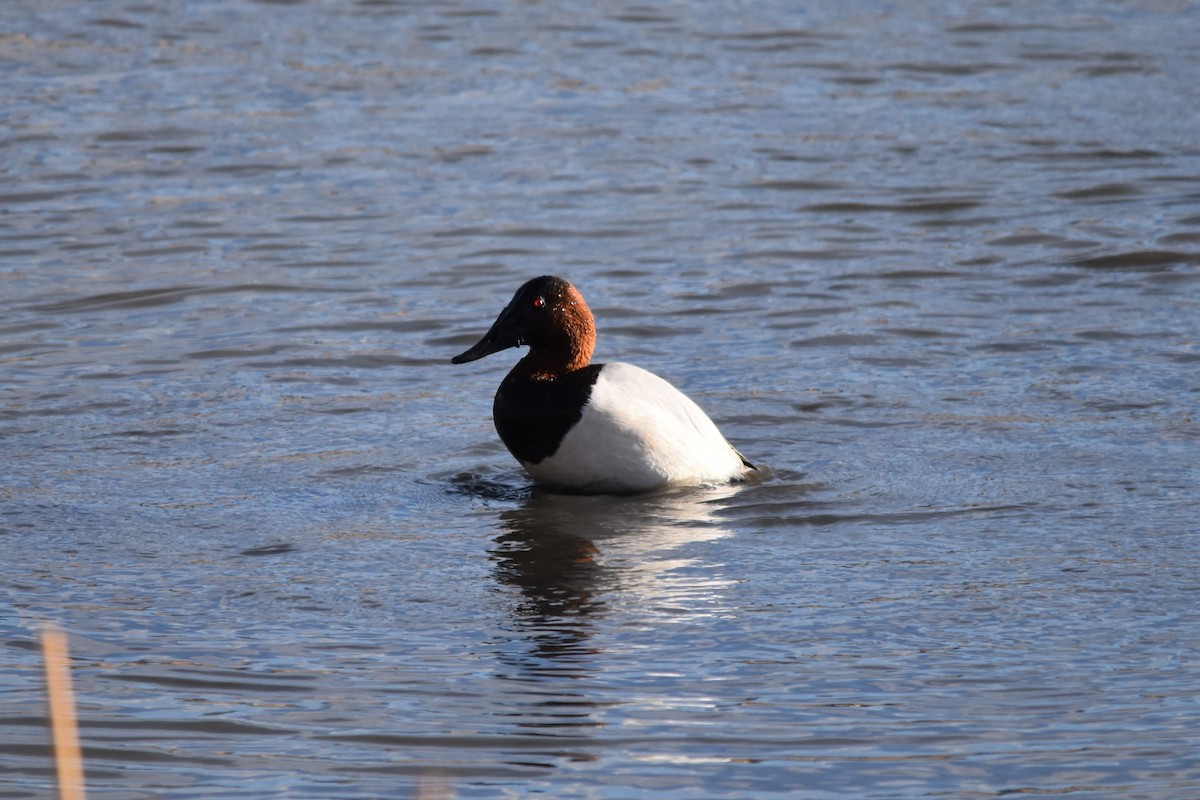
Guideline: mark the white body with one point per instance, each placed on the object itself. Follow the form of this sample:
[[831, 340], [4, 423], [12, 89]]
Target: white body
[[638, 432]]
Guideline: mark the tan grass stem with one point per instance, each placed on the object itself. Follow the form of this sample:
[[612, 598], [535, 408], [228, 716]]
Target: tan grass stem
[[65, 731]]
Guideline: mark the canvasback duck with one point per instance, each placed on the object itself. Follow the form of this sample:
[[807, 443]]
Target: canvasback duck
[[597, 428]]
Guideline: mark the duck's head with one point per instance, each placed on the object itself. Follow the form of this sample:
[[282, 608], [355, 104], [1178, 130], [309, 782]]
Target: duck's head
[[550, 316]]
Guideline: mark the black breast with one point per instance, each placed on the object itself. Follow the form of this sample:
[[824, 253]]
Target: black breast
[[533, 416]]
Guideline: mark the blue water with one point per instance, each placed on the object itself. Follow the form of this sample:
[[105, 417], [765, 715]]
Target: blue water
[[933, 266]]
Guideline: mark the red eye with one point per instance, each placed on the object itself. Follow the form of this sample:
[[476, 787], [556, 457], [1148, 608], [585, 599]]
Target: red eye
[[539, 302]]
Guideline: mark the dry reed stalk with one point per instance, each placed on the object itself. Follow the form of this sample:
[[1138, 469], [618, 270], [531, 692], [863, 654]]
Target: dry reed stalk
[[63, 726]]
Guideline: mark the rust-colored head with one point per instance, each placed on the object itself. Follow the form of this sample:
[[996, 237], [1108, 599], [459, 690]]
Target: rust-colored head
[[550, 316]]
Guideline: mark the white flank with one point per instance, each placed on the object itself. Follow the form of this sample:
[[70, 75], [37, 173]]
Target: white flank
[[638, 432]]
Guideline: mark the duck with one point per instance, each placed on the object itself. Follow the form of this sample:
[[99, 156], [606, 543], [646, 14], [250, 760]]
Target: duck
[[610, 428]]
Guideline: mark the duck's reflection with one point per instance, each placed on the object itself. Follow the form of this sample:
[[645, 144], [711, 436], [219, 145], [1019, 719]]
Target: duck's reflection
[[556, 573], [573, 561]]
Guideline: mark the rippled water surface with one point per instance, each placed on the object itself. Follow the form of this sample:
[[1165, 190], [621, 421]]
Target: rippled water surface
[[934, 265]]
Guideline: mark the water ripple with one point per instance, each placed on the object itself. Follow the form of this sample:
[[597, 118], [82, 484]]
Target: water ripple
[[934, 271]]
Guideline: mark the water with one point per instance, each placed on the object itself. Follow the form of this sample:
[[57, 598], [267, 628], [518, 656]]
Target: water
[[933, 265]]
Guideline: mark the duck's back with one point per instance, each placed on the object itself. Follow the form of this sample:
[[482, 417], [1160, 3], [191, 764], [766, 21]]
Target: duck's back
[[638, 432]]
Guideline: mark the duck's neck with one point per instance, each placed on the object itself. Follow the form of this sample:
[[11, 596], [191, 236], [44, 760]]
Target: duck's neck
[[541, 365], [567, 347]]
